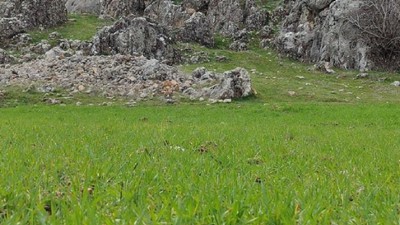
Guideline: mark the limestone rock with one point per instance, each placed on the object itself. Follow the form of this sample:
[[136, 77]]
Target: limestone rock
[[196, 5], [202, 75], [84, 6], [35, 13], [229, 16], [120, 8], [197, 29], [10, 27], [240, 41], [166, 13], [396, 83], [234, 84], [134, 35], [17, 16], [189, 25], [317, 31]]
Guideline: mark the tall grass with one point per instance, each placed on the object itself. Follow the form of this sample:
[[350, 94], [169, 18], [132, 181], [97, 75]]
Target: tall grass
[[232, 164]]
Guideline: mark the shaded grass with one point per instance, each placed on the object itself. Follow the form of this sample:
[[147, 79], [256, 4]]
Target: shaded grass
[[262, 164], [79, 27]]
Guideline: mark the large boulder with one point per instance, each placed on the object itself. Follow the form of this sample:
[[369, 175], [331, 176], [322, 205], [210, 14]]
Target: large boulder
[[319, 31], [120, 8], [35, 13], [197, 29], [166, 13], [229, 16], [188, 25], [134, 35], [234, 84], [10, 27], [84, 6], [19, 15]]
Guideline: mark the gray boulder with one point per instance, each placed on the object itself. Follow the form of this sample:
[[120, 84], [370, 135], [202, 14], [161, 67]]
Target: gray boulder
[[240, 41], [10, 27], [318, 31], [134, 35], [234, 84], [84, 6], [197, 29], [120, 8], [35, 13], [229, 16], [189, 26], [196, 5], [166, 13], [17, 16]]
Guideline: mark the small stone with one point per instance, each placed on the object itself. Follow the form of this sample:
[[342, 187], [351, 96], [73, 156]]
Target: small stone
[[291, 93], [54, 35], [201, 99], [362, 76], [212, 101], [169, 101], [81, 88], [78, 103], [53, 101], [143, 95], [228, 100], [221, 58], [300, 77], [396, 83]]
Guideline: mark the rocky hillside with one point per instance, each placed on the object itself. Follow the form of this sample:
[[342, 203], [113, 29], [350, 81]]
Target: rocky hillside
[[222, 16], [322, 31], [17, 16], [130, 57], [145, 41]]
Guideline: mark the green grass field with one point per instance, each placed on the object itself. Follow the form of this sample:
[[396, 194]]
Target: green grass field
[[242, 163], [328, 154]]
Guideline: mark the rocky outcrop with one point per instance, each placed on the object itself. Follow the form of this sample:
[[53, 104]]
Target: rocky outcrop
[[19, 15], [10, 27], [119, 75], [222, 16], [84, 6], [229, 16], [188, 25], [134, 77], [318, 31], [120, 8], [135, 35], [197, 29], [232, 84], [166, 13], [35, 13]]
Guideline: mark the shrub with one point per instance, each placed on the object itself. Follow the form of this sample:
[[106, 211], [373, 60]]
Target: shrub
[[379, 24]]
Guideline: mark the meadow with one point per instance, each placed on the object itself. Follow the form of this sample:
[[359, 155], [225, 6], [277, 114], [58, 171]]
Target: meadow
[[242, 163], [327, 154]]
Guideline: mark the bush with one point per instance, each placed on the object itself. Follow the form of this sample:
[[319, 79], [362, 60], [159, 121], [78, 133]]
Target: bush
[[379, 24]]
